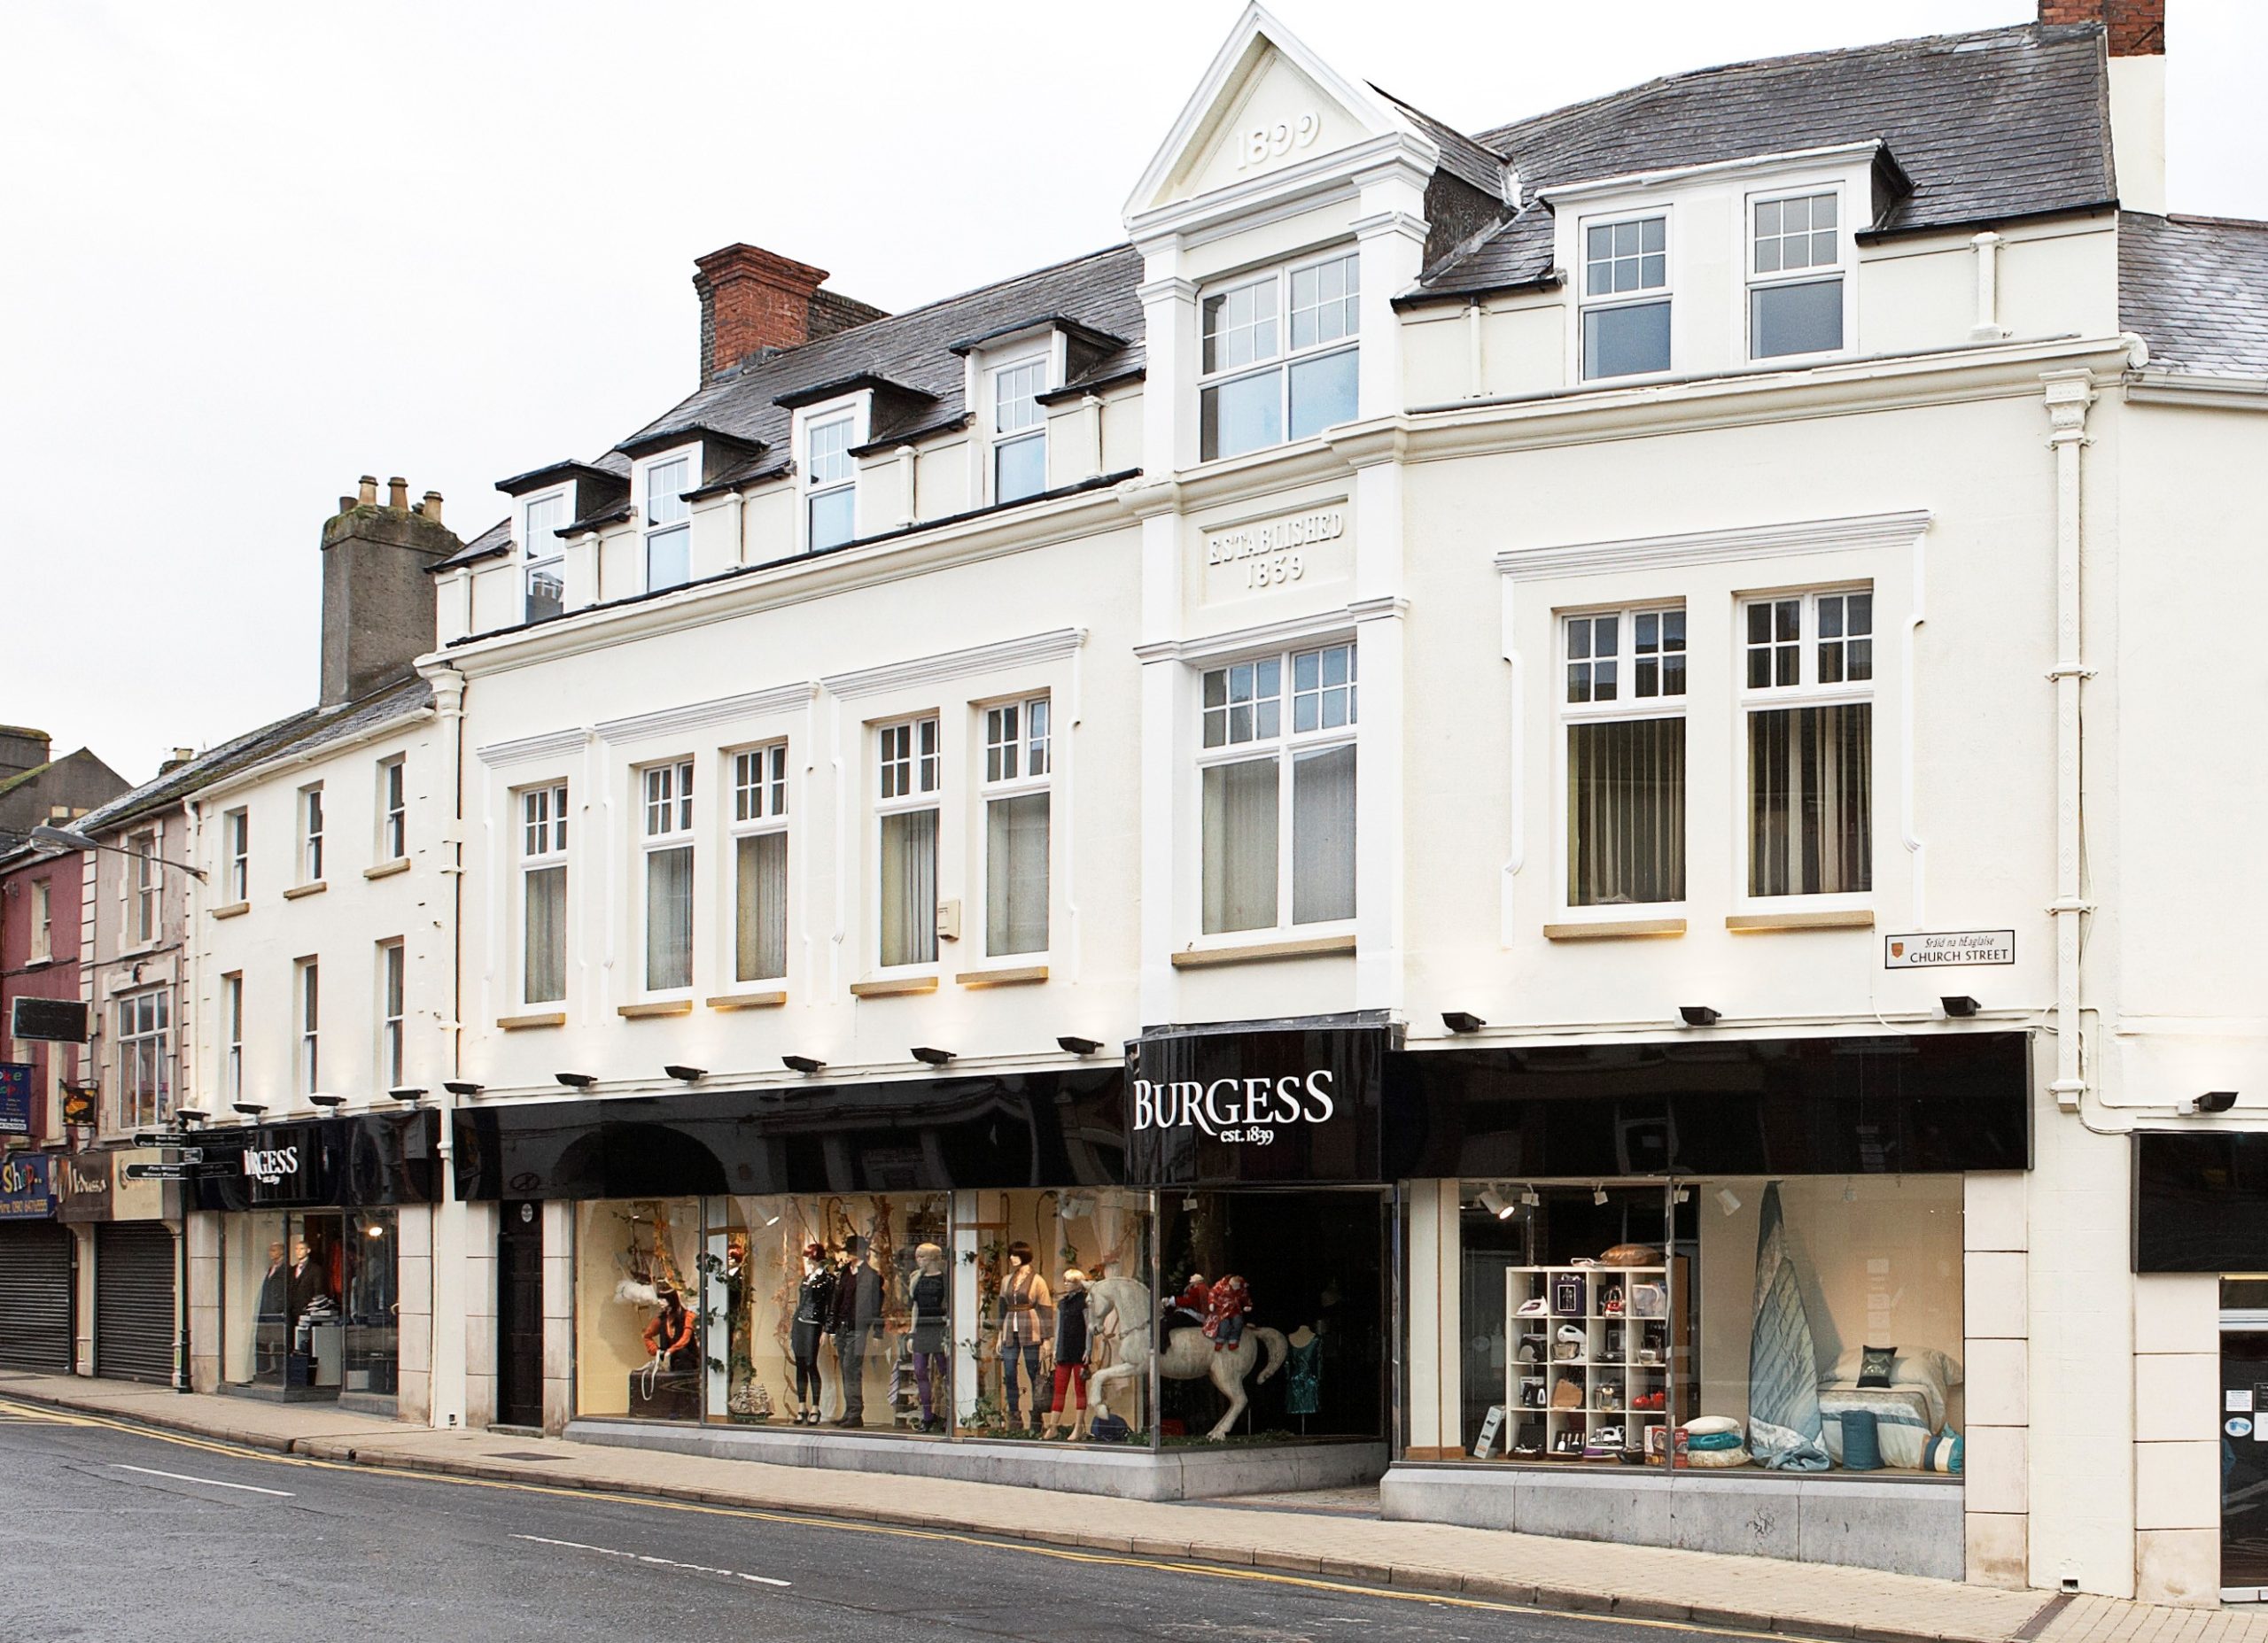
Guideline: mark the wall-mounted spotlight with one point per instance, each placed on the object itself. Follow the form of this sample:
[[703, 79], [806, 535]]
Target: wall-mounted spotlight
[[191, 1115], [250, 1109], [407, 1092], [686, 1074], [802, 1063], [1461, 1021], [1496, 1203], [1598, 1194], [326, 1101], [931, 1057], [1961, 1006], [1679, 1195], [1530, 1197], [1728, 1201], [1075, 1046], [1697, 1015], [2217, 1101], [576, 1080], [462, 1087]]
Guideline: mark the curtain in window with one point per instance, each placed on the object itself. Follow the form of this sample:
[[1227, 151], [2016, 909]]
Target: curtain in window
[[1015, 874], [1240, 846], [760, 908], [669, 918], [1626, 812], [1323, 836], [1811, 800], [544, 962], [909, 888]]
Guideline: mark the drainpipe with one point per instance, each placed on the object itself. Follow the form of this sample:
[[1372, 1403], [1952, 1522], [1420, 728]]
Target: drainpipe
[[444, 1396], [2068, 395]]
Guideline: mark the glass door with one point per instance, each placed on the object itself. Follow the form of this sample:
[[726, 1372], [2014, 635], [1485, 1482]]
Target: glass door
[[2244, 1457]]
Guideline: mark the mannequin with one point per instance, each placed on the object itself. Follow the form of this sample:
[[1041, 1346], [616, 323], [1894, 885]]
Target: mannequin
[[670, 1332], [814, 1305], [1185, 1311], [1303, 1375], [1025, 1306], [1073, 1343], [857, 1314], [927, 1301]]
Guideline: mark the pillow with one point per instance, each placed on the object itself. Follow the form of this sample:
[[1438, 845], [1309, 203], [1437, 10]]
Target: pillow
[[1631, 1255], [1942, 1452], [1709, 1460], [1874, 1365], [1702, 1425]]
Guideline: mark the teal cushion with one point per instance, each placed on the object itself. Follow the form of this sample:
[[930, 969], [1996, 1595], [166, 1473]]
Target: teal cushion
[[1942, 1452], [1705, 1441], [1861, 1442]]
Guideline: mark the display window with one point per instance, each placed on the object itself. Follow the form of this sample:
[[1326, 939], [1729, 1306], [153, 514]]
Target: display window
[[1806, 1324], [310, 1302]]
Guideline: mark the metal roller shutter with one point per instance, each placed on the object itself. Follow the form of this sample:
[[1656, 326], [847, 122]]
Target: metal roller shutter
[[36, 1298], [134, 1301]]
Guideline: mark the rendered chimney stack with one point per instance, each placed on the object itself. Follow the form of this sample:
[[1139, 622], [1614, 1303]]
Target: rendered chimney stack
[[377, 594], [2133, 33], [754, 300]]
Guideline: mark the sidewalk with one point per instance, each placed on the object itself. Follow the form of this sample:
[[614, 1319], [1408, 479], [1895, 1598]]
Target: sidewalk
[[1646, 1582]]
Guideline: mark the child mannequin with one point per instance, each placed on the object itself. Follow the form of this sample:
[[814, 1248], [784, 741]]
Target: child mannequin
[[1072, 1345], [814, 1304], [928, 1303]]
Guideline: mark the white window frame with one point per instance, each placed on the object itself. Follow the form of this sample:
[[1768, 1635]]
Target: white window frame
[[391, 1012], [997, 440], [1286, 356], [1805, 691], [753, 808], [145, 1025], [1284, 747], [1843, 268], [393, 808], [650, 529], [306, 1026], [43, 917], [855, 408], [311, 825], [232, 1036], [542, 844], [546, 556], [145, 911], [1625, 706], [921, 774], [236, 846], [668, 801], [1015, 761], [1586, 303]]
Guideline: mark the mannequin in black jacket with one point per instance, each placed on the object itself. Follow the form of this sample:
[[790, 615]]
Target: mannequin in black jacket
[[858, 1312]]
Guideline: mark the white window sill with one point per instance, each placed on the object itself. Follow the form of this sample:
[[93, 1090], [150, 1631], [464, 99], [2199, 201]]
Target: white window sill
[[651, 1007], [386, 870], [313, 888], [1265, 951], [1577, 929], [39, 961], [1003, 975], [230, 910], [892, 987], [1760, 920], [749, 1001]]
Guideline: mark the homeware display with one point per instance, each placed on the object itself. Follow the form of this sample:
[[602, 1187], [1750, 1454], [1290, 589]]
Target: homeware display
[[1590, 1384]]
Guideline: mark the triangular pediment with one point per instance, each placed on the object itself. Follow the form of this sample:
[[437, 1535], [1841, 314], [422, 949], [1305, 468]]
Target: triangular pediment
[[1267, 104]]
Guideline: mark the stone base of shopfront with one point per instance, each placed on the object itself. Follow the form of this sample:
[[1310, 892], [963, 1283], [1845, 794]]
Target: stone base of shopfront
[[1908, 1527], [1126, 1472]]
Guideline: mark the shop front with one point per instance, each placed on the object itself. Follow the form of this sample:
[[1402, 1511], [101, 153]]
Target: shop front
[[324, 1254], [125, 1230], [37, 1268], [1695, 1293]]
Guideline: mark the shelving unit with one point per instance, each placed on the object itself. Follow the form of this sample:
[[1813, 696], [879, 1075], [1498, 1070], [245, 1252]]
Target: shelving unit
[[1624, 1365]]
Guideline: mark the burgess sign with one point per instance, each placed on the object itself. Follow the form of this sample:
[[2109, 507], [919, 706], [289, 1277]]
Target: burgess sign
[[1269, 1103]]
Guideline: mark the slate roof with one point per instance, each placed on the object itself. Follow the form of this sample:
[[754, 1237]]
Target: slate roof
[[494, 540], [303, 732], [2002, 123], [2196, 290], [1462, 158]]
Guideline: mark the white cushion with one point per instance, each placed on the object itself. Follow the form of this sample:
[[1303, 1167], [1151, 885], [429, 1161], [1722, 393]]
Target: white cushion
[[1703, 1425]]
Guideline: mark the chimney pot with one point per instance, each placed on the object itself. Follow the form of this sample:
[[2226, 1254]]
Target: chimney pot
[[369, 492], [432, 508], [398, 494], [345, 502]]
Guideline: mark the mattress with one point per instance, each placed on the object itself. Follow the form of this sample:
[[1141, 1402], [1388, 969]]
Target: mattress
[[1903, 1419]]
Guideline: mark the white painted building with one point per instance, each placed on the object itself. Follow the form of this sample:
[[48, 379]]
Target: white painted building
[[1602, 708]]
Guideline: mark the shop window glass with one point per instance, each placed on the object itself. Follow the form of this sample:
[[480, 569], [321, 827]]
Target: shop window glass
[[372, 1303], [285, 1280], [635, 1354]]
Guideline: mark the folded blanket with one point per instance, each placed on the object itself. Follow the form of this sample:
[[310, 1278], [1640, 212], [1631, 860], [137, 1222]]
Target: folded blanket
[[1705, 1441]]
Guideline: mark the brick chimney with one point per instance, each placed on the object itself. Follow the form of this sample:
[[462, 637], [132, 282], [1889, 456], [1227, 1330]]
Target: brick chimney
[[378, 597], [2134, 35], [754, 300]]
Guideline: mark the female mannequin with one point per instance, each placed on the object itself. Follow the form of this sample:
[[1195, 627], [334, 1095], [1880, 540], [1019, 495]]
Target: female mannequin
[[814, 1302], [927, 1300], [1072, 1345], [1025, 1308], [670, 1332]]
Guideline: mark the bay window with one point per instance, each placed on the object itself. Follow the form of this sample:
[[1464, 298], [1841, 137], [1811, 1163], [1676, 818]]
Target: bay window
[[1795, 279], [1279, 356], [669, 527], [909, 777], [1808, 685], [760, 864], [1625, 296], [1019, 430], [1018, 762], [1278, 790], [667, 847], [1624, 710], [830, 483], [543, 894]]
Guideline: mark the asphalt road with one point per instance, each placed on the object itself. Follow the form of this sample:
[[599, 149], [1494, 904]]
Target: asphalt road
[[121, 1534]]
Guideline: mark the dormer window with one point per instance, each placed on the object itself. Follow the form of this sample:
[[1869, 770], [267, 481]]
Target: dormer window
[[540, 523], [669, 528], [1265, 380], [1019, 430], [1625, 296], [830, 481], [1795, 290]]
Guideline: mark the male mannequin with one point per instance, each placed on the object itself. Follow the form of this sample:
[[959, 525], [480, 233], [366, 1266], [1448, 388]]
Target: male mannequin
[[1025, 1308], [858, 1312]]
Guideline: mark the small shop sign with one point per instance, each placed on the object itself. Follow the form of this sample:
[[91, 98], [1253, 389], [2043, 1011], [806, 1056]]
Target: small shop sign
[[27, 1186], [15, 1098], [82, 1183], [1945, 949]]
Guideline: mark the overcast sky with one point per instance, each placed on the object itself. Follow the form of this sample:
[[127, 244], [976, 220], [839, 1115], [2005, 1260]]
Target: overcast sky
[[255, 250]]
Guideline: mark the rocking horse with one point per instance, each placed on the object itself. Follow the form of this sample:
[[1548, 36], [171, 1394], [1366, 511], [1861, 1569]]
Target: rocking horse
[[1123, 1305]]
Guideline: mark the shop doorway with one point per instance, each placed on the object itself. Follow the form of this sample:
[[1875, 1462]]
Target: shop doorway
[[2244, 1445], [519, 1314]]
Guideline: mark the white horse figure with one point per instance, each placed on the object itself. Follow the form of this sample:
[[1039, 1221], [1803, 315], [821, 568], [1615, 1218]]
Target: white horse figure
[[1122, 1309]]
